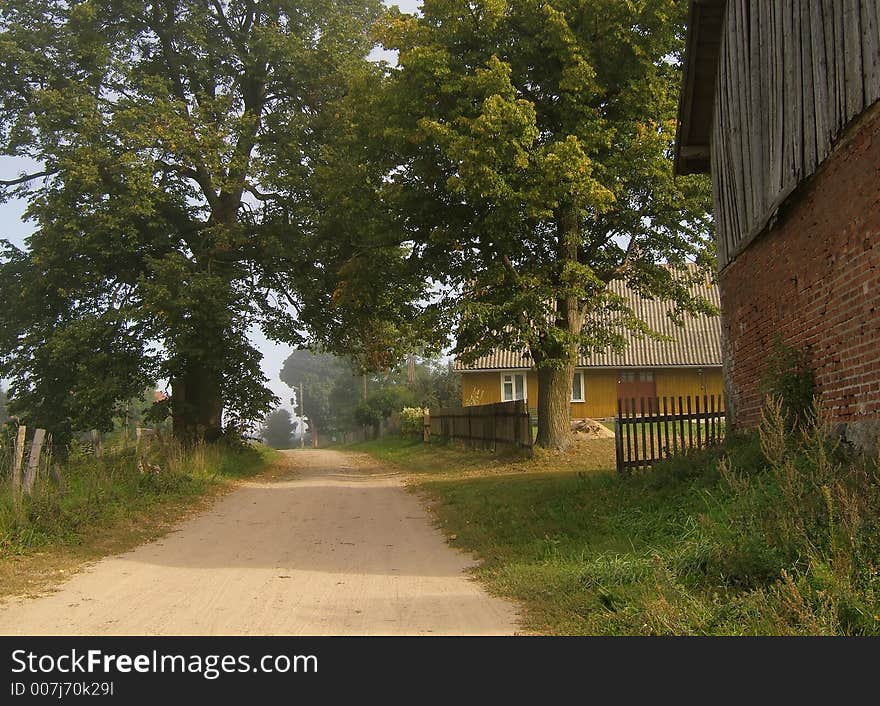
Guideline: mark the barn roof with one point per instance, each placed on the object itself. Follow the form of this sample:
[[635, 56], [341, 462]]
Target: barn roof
[[697, 343], [705, 23]]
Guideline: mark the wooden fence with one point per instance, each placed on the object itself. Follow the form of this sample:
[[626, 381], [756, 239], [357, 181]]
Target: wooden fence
[[483, 426], [24, 472], [649, 430]]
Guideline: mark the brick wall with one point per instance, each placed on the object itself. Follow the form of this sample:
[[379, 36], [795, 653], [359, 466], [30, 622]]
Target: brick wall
[[814, 279]]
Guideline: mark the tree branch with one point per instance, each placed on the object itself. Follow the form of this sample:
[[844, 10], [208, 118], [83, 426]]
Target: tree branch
[[234, 37], [178, 169], [27, 177], [261, 195]]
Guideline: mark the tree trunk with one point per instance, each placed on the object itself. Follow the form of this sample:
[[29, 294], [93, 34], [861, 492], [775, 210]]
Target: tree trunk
[[556, 360], [196, 405], [554, 407]]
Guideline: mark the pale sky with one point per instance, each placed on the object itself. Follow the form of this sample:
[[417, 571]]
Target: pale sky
[[12, 228]]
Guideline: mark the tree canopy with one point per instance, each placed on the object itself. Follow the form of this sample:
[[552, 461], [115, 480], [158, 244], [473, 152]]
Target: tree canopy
[[533, 146], [177, 140], [211, 165], [278, 429]]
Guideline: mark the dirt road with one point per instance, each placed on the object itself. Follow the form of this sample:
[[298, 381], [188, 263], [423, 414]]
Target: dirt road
[[335, 548]]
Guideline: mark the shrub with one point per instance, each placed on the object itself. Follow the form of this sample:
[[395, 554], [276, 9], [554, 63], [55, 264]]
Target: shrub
[[789, 378], [412, 420], [806, 530]]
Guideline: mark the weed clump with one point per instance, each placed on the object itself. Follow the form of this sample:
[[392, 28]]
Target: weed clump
[[794, 537]]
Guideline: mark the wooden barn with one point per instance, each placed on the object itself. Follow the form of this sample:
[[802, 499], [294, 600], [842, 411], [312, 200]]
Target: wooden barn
[[780, 103]]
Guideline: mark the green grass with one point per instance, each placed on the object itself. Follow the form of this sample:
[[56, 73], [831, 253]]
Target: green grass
[[717, 542], [453, 460], [102, 493]]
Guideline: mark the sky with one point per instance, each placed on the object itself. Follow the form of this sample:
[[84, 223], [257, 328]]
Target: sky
[[12, 228]]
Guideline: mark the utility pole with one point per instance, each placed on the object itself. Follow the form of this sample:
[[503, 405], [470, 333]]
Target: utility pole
[[302, 418]]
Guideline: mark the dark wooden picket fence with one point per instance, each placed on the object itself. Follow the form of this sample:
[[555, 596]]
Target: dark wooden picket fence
[[649, 430], [483, 426]]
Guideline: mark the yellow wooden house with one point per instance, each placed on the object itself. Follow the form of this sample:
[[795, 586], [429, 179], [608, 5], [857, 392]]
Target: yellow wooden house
[[689, 364]]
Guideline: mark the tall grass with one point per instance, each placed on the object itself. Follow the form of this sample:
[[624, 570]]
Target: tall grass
[[90, 491], [798, 535]]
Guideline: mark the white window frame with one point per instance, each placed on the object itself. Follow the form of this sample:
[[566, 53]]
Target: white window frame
[[513, 375], [583, 397]]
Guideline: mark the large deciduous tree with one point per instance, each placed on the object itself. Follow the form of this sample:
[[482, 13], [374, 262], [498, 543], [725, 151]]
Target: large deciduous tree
[[533, 142], [176, 141]]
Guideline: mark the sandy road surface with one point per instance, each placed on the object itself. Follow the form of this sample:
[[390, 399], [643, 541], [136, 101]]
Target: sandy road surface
[[336, 548]]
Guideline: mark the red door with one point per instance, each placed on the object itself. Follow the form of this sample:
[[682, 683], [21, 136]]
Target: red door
[[636, 385]]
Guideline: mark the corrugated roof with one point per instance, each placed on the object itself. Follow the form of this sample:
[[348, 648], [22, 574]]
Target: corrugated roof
[[697, 343]]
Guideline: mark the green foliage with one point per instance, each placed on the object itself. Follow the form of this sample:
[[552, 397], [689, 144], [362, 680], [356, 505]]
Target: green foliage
[[333, 389], [149, 259], [365, 282], [434, 383], [533, 144], [412, 420], [381, 404], [110, 490], [320, 374], [789, 377], [278, 429]]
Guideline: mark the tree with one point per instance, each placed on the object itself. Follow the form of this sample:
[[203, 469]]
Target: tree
[[278, 429], [318, 373], [4, 416], [176, 140], [533, 142], [381, 404]]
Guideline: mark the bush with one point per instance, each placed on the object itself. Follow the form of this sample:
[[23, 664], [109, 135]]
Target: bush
[[804, 535], [790, 533], [790, 378], [412, 420]]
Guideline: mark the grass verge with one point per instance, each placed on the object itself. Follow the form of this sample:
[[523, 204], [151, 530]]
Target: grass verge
[[773, 534], [107, 505]]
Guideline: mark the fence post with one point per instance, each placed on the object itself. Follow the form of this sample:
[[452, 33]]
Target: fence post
[[494, 428], [33, 461], [527, 421], [17, 458], [516, 425], [97, 447], [426, 427], [618, 437]]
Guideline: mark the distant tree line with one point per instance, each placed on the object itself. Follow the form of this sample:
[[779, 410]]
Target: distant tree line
[[338, 399]]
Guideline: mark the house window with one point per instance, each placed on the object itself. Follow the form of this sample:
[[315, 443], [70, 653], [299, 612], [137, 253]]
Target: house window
[[513, 387], [641, 376], [577, 387]]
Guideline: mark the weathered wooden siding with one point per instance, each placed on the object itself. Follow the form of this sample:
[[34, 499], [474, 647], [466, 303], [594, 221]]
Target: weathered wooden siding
[[689, 382], [600, 388], [791, 75], [600, 396], [484, 387]]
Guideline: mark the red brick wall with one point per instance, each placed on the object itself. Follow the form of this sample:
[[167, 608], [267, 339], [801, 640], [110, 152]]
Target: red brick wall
[[814, 279]]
